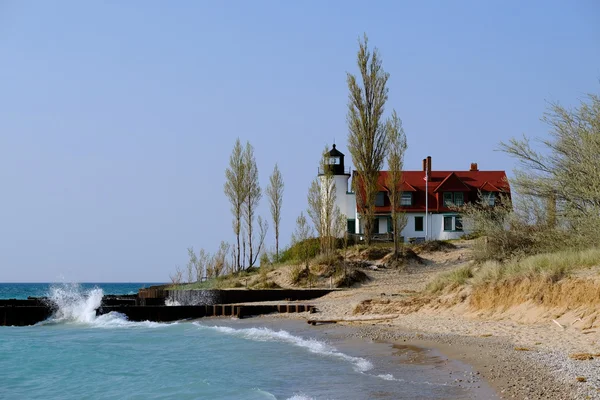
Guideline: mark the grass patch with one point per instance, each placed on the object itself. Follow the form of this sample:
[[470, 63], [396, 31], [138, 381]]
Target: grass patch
[[454, 278], [326, 259], [293, 253], [551, 267]]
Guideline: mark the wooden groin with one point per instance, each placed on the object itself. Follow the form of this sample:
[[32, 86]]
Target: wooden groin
[[23, 312], [33, 311], [176, 313]]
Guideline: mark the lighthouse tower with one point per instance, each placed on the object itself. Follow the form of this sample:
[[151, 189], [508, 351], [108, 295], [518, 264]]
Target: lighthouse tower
[[344, 198]]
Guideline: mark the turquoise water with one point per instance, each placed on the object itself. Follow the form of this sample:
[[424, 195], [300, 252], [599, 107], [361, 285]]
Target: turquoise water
[[76, 355], [24, 290]]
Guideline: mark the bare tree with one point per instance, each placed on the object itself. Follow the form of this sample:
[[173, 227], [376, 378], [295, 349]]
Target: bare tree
[[395, 160], [253, 196], [236, 190], [563, 174], [300, 238], [177, 277], [321, 202], [275, 195], [367, 140], [191, 265], [219, 264], [341, 230], [201, 264]]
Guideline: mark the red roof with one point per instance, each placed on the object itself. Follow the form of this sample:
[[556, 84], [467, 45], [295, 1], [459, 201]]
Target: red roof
[[470, 183]]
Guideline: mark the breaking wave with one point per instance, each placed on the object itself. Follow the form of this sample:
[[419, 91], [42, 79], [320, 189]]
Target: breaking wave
[[74, 305], [312, 345], [300, 396]]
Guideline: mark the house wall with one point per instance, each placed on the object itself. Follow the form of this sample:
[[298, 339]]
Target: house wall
[[434, 221], [347, 204], [409, 230], [435, 224], [437, 228]]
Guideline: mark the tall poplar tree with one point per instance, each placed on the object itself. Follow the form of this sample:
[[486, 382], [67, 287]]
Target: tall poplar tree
[[275, 195], [253, 196], [395, 160], [236, 191], [367, 139]]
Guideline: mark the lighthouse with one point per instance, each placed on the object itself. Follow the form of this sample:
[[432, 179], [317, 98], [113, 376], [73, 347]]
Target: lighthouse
[[345, 199]]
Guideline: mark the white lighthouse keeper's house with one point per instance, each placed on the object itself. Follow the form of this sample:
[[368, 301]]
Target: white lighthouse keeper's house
[[430, 204]]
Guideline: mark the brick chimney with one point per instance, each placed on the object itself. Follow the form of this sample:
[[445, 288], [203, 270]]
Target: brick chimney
[[428, 165], [474, 167]]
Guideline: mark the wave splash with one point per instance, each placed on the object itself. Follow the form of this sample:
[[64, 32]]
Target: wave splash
[[312, 345], [74, 305]]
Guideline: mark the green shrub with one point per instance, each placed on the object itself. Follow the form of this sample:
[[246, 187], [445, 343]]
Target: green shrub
[[293, 252], [452, 278]]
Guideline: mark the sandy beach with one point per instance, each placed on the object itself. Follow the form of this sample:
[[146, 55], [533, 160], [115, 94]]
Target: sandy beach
[[425, 364], [523, 352]]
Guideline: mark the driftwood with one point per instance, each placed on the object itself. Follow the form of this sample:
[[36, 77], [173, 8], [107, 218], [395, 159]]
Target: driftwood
[[314, 321], [558, 323]]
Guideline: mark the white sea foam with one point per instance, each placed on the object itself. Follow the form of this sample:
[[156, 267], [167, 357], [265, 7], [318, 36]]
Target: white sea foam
[[170, 302], [312, 345], [300, 396], [390, 377], [267, 395], [387, 377], [74, 305]]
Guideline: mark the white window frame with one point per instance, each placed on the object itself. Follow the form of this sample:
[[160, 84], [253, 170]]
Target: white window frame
[[410, 199]]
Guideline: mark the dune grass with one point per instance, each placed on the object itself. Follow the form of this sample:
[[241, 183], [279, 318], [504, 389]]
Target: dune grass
[[454, 278], [550, 267]]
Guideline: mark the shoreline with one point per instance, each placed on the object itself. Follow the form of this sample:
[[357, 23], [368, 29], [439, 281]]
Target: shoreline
[[393, 361], [510, 371]]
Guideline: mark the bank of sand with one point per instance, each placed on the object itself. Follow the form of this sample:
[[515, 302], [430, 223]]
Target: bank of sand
[[522, 352]]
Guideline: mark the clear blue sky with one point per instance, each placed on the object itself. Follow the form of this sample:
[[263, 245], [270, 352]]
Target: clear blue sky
[[117, 118]]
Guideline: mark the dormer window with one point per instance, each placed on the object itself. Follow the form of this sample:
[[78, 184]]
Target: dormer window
[[459, 198], [448, 199], [380, 199], [406, 199], [488, 198], [452, 199]]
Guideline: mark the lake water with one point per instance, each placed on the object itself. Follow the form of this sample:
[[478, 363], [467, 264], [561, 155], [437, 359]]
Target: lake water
[[76, 355]]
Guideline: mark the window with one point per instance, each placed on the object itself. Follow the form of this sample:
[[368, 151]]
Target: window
[[334, 160], [351, 226], [454, 199], [453, 223], [406, 199], [448, 223], [459, 198], [380, 199], [488, 198], [448, 199], [458, 226], [418, 224]]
